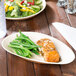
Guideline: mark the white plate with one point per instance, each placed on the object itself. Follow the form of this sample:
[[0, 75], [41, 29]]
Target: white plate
[[67, 55], [22, 18]]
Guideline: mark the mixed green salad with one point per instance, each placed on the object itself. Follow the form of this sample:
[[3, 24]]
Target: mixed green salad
[[24, 46], [22, 8]]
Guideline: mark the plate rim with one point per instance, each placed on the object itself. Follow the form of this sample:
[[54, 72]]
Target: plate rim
[[36, 61], [28, 17]]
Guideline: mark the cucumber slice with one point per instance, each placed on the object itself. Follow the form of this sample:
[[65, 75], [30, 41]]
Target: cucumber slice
[[30, 13], [35, 8], [24, 14], [38, 2]]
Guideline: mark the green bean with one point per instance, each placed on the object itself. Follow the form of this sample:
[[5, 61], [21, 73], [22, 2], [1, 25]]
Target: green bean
[[19, 52], [16, 51], [20, 47], [22, 35], [36, 52], [19, 38], [25, 39], [23, 46]]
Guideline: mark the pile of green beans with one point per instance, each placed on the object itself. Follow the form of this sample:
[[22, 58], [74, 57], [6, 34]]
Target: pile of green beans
[[24, 46]]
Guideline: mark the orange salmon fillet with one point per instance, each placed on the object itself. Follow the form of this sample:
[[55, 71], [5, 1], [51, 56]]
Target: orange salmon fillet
[[49, 50]]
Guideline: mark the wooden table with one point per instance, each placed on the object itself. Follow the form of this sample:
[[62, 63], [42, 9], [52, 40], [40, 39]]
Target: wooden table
[[11, 65]]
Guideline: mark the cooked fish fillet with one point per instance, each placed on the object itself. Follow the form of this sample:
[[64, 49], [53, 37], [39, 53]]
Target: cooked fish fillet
[[49, 50]]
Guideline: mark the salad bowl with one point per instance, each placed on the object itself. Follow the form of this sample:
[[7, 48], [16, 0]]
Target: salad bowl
[[27, 17], [66, 54]]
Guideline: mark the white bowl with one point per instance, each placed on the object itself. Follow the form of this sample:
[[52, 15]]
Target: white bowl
[[66, 54], [22, 18]]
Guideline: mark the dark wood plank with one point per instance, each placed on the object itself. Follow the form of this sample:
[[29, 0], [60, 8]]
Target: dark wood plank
[[39, 24], [3, 59], [55, 14], [72, 19], [47, 70], [70, 69], [16, 65], [19, 67]]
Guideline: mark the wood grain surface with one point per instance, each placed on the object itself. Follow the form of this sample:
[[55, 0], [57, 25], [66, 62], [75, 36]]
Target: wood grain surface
[[11, 65]]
